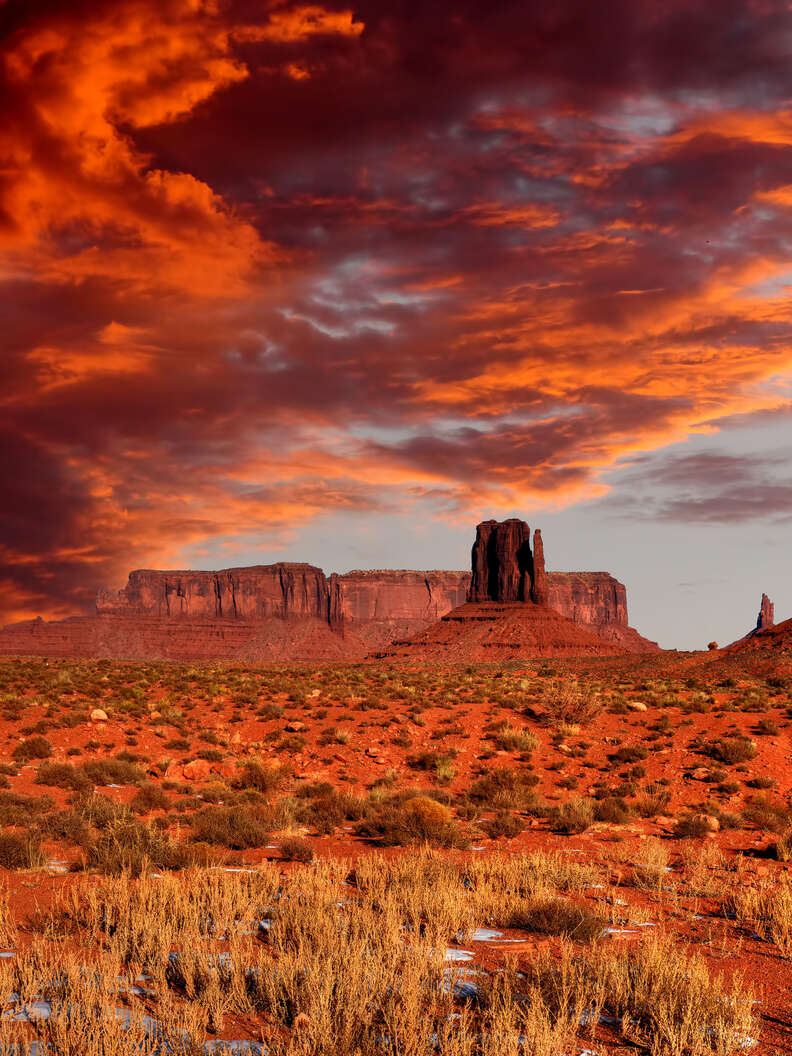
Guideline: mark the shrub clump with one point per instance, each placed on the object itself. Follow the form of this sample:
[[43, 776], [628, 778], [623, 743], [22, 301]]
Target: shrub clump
[[504, 788], [295, 849], [417, 820], [505, 823], [20, 850], [237, 827], [555, 916], [574, 816], [126, 846], [37, 747], [255, 774], [731, 750]]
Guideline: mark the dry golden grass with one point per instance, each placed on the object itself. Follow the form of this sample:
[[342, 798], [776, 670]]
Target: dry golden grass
[[766, 908], [353, 961]]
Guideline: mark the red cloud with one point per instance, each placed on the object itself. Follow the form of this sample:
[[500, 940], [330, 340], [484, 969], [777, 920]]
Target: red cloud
[[263, 266]]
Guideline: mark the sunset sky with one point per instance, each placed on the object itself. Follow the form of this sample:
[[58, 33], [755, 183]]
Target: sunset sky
[[288, 281]]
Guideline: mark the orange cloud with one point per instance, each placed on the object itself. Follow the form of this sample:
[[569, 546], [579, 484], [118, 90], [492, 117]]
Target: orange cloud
[[295, 24], [495, 214], [71, 163]]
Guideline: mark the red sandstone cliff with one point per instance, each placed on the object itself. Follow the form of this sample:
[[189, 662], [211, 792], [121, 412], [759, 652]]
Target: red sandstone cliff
[[502, 562], [293, 611], [283, 590], [395, 595]]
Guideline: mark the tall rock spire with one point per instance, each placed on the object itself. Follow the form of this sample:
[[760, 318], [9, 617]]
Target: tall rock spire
[[539, 587], [766, 617]]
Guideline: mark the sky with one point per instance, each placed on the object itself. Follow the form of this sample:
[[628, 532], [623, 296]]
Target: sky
[[296, 281]]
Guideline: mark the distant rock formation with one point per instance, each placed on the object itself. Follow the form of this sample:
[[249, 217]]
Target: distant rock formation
[[766, 617], [765, 651], [765, 622], [503, 566], [502, 562], [292, 610], [387, 595], [515, 609]]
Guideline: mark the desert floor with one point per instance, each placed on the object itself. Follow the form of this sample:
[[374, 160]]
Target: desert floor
[[547, 856]]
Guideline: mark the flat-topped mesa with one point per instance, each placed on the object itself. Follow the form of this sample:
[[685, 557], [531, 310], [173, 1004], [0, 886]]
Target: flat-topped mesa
[[502, 562], [766, 617], [284, 590]]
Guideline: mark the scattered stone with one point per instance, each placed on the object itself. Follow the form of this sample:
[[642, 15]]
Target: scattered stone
[[709, 820], [294, 726]]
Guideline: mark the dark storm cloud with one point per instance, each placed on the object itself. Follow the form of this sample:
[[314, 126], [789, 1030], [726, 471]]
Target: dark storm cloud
[[264, 263]]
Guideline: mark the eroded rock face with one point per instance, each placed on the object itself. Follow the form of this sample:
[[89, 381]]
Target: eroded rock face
[[589, 598], [766, 617], [502, 562], [283, 590], [395, 595]]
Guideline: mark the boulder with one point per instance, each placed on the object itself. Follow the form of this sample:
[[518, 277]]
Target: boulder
[[98, 715], [197, 770]]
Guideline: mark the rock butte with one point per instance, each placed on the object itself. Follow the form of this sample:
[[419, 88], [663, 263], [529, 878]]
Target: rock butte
[[514, 608], [293, 611]]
